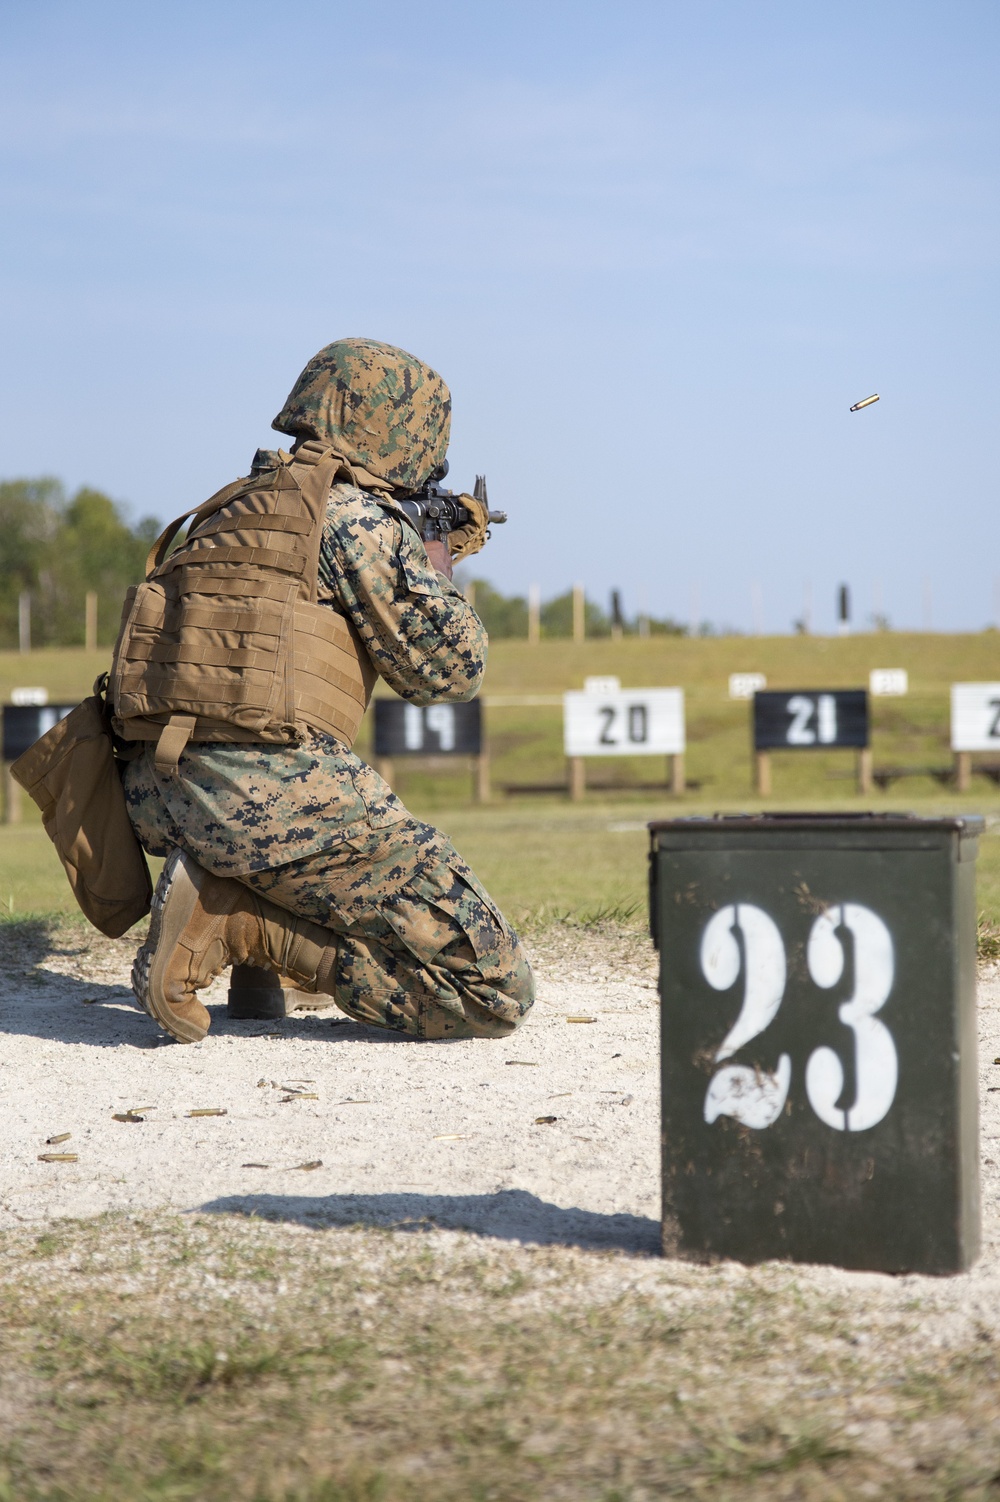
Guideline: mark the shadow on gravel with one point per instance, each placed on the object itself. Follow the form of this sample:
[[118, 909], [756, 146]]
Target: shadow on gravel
[[55, 1008], [26, 941], [509, 1215], [37, 1001], [40, 1003]]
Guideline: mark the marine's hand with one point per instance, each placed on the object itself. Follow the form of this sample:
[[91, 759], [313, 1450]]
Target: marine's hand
[[439, 556], [464, 541]]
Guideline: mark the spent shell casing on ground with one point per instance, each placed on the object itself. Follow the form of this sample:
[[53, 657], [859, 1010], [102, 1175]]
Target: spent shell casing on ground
[[866, 403]]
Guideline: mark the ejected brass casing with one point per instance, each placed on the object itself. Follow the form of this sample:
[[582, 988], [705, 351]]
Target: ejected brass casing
[[866, 403]]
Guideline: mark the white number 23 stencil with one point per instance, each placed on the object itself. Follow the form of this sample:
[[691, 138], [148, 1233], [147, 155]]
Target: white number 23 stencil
[[756, 1098]]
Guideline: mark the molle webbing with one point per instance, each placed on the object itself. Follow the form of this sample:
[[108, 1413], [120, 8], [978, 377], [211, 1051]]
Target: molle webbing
[[225, 641]]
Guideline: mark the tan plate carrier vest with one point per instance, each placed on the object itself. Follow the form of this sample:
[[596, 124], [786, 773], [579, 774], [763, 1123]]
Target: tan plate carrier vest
[[225, 641]]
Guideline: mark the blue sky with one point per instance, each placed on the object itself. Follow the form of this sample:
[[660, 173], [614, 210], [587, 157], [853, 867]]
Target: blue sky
[[657, 250]]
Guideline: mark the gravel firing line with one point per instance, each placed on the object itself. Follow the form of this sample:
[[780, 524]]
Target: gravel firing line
[[331, 1123], [400, 1131]]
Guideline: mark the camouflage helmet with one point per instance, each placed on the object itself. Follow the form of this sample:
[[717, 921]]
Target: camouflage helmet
[[384, 410]]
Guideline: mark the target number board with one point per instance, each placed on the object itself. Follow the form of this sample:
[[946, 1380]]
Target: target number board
[[818, 1038], [809, 719], [627, 722], [403, 729], [975, 717], [24, 724]]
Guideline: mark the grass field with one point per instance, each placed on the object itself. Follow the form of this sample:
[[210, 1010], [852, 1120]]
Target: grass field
[[526, 741], [205, 1358], [541, 856]]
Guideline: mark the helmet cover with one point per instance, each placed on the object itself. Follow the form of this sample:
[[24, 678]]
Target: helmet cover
[[384, 410]]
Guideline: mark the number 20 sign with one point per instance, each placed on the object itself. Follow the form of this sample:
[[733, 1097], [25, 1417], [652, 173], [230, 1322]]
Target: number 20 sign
[[628, 722]]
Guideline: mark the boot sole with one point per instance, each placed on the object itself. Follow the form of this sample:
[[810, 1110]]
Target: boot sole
[[307, 1001], [164, 931]]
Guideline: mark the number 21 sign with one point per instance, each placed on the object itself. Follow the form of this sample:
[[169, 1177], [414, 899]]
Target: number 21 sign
[[810, 719]]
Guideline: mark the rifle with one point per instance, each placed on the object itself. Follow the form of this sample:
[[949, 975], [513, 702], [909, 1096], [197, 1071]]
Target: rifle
[[435, 512]]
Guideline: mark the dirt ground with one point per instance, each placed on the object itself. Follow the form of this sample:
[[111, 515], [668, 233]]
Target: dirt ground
[[447, 1131], [806, 1381]]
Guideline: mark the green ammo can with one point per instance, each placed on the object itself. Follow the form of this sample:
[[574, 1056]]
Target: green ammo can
[[818, 1005]]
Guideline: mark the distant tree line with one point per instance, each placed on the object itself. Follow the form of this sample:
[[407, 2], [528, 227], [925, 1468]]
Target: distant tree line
[[57, 547], [507, 615]]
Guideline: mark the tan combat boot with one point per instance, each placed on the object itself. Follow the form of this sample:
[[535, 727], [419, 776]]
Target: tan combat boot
[[201, 923]]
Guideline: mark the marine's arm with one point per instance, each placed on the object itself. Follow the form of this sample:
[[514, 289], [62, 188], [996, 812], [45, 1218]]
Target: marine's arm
[[439, 557], [421, 633]]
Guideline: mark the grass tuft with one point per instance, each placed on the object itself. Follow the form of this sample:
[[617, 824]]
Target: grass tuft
[[178, 1372], [371, 1488], [987, 938]]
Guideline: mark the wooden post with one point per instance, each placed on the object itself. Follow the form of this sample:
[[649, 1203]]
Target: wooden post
[[24, 620], [579, 613], [384, 768], [90, 628], [577, 778], [763, 771], [481, 777], [534, 614], [963, 771], [11, 797], [677, 783], [865, 780]]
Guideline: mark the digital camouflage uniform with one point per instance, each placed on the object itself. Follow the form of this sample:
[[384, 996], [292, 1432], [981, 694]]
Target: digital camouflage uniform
[[312, 827]]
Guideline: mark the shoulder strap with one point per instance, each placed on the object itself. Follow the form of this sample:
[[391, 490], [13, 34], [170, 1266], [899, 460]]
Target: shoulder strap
[[313, 451], [161, 546], [308, 453]]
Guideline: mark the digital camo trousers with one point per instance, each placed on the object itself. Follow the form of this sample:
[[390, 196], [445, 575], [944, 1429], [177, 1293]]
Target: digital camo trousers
[[421, 948]]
